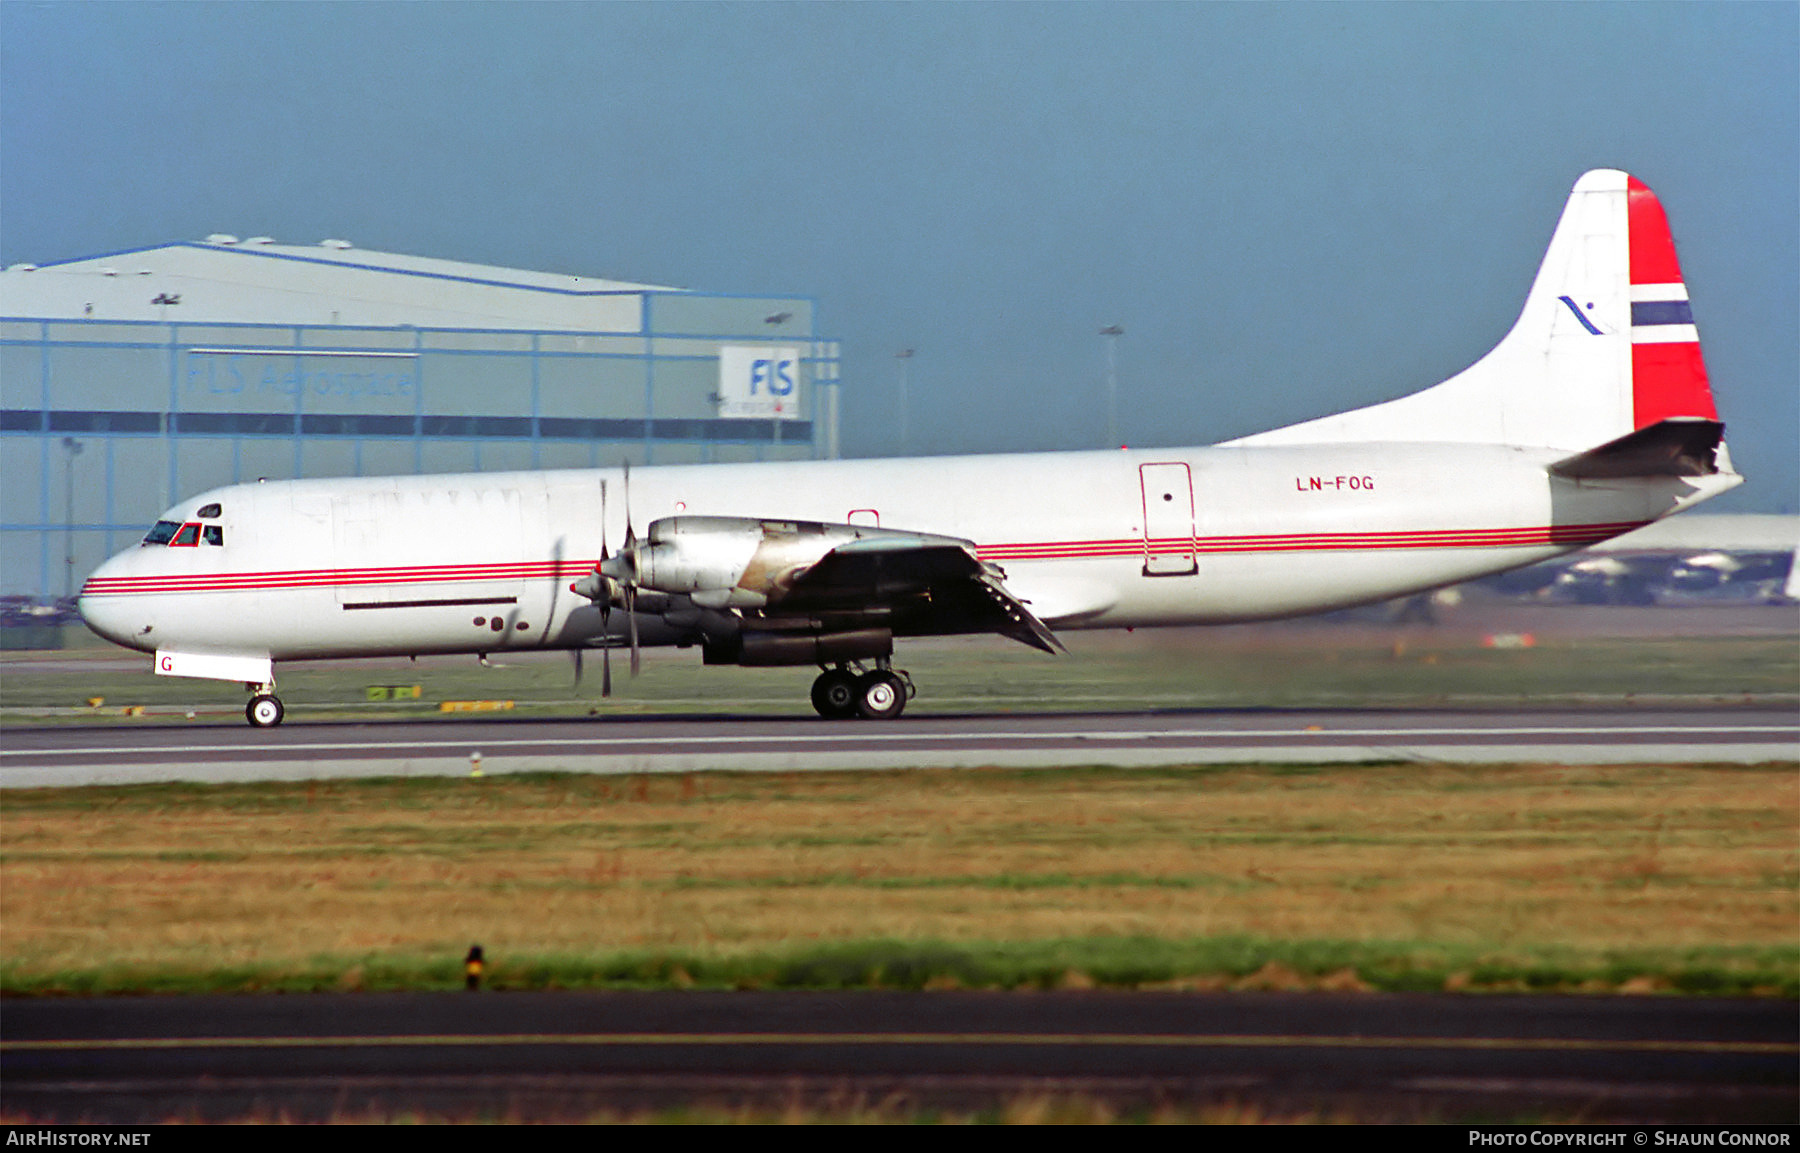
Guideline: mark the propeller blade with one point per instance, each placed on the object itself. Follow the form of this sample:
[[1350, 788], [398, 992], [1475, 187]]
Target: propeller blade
[[576, 653], [629, 549], [605, 605], [630, 537], [631, 624], [556, 566]]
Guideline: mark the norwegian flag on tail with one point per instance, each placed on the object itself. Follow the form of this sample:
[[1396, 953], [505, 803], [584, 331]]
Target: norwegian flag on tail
[[1668, 376]]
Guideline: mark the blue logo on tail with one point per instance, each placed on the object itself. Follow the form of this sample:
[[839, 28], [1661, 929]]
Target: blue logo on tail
[[1579, 315]]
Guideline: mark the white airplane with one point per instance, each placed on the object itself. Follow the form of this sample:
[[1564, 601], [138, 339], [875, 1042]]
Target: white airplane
[[1591, 418]]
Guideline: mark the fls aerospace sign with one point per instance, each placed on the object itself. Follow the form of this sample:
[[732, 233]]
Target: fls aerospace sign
[[759, 382]]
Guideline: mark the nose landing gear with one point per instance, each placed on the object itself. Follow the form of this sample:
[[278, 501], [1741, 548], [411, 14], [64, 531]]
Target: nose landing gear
[[849, 691]]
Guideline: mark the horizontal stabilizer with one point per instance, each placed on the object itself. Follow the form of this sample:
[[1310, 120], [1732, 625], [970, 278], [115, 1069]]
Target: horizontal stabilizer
[[1674, 446]]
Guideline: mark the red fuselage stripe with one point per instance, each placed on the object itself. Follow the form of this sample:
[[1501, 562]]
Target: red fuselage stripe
[[1575, 534]]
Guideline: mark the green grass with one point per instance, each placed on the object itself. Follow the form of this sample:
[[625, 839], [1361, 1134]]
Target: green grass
[[1229, 962], [1617, 878]]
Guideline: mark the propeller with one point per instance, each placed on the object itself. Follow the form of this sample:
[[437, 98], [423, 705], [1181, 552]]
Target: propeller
[[629, 550], [599, 587], [615, 578], [556, 564], [605, 605]]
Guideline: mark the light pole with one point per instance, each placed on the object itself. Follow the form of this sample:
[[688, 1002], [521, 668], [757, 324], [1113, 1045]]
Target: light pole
[[1112, 333], [902, 359], [72, 447]]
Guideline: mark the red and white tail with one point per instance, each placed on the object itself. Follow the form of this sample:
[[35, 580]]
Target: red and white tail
[[1668, 376], [1605, 345]]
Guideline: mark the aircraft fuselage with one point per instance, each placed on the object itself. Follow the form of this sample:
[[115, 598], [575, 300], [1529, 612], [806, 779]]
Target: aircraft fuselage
[[480, 563]]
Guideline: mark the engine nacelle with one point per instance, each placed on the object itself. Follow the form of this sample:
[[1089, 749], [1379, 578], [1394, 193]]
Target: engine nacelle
[[726, 561], [688, 554]]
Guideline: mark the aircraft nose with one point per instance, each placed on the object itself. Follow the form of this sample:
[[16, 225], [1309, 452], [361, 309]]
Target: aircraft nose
[[121, 619]]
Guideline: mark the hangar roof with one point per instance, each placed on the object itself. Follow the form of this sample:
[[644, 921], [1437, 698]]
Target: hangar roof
[[257, 281]]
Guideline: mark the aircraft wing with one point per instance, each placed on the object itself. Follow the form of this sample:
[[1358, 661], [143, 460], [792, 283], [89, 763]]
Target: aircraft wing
[[924, 585]]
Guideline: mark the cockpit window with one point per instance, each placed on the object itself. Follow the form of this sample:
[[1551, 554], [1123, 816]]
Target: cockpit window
[[208, 512], [177, 535], [162, 532]]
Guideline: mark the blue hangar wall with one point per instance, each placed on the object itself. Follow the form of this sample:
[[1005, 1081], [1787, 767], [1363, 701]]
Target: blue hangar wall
[[107, 419]]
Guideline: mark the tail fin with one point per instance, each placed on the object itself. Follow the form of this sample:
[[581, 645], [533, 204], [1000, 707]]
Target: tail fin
[[1604, 346], [1668, 377]]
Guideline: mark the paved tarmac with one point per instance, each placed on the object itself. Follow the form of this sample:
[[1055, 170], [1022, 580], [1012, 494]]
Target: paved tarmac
[[133, 752], [540, 1056]]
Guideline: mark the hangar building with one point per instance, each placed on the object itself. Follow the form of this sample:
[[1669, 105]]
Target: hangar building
[[131, 380]]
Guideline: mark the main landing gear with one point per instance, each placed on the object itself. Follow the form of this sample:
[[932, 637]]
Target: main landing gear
[[264, 710], [847, 691]]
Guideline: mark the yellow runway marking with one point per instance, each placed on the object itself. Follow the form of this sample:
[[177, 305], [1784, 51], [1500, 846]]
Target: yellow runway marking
[[1162, 1040]]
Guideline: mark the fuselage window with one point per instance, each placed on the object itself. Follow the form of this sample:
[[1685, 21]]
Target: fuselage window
[[213, 534], [208, 512], [162, 532], [188, 537]]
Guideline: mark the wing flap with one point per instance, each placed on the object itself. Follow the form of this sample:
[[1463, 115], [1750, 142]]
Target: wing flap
[[1021, 625], [921, 585]]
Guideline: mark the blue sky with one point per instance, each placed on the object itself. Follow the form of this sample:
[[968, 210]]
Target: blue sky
[[1292, 209]]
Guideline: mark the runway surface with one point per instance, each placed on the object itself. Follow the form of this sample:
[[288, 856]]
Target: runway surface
[[132, 752], [569, 1055]]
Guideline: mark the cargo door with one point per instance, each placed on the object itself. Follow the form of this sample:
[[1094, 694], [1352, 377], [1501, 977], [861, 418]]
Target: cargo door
[[1168, 491]]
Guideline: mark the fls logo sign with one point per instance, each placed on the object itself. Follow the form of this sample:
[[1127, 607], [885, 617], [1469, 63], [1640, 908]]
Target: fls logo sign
[[759, 382]]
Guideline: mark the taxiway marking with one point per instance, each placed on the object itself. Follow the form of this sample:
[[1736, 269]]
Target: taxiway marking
[[881, 737]]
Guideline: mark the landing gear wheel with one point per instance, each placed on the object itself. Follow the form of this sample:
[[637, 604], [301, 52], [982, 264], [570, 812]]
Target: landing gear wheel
[[264, 711], [880, 696], [834, 694]]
